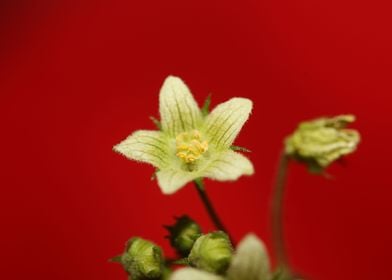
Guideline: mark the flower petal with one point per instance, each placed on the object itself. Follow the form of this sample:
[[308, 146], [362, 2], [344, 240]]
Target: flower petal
[[193, 274], [250, 261], [179, 110], [171, 180], [146, 146], [228, 166], [226, 120]]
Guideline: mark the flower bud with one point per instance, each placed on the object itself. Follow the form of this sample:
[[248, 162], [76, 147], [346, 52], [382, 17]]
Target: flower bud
[[320, 142], [183, 234], [142, 259], [212, 252]]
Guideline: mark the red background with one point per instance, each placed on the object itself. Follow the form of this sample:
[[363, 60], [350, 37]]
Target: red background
[[76, 77]]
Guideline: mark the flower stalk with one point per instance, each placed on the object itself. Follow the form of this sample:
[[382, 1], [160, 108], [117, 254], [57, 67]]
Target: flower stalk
[[209, 206], [277, 214]]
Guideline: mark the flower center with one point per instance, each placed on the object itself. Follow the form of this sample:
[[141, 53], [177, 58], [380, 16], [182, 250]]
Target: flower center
[[190, 146]]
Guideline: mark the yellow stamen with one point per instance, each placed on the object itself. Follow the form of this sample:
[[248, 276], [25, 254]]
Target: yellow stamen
[[190, 146]]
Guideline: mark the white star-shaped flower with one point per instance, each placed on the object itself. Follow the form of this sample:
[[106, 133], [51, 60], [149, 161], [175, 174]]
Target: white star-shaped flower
[[190, 145], [250, 262]]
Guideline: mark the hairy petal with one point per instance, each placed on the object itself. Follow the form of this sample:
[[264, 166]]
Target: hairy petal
[[228, 166], [171, 180], [179, 110], [145, 146], [193, 274], [226, 120], [251, 260]]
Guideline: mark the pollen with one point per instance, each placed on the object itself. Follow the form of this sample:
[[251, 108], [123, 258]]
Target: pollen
[[190, 146]]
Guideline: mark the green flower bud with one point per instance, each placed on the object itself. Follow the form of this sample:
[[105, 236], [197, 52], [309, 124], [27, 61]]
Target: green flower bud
[[320, 142], [142, 259], [183, 234], [212, 252]]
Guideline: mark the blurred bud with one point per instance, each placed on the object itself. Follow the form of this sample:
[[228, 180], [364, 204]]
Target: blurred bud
[[183, 234], [142, 259], [320, 142], [212, 252], [282, 273]]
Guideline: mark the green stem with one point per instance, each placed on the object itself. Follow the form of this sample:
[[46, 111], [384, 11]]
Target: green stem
[[208, 205], [170, 262], [277, 215]]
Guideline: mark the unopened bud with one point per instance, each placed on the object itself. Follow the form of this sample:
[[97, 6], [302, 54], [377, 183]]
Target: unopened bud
[[212, 252], [320, 142], [183, 234], [142, 259]]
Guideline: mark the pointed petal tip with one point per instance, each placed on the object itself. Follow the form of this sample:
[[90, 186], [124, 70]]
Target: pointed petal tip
[[172, 80], [117, 148], [144, 146], [176, 83], [120, 148], [166, 191], [244, 100], [251, 260], [247, 171], [250, 171], [252, 242], [251, 237]]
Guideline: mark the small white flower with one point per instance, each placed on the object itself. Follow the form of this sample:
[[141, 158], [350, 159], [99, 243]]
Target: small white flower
[[250, 262], [190, 145]]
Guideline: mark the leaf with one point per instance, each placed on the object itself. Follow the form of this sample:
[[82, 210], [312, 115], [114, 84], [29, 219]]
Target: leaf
[[156, 122], [154, 176], [116, 259], [205, 110], [240, 149]]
